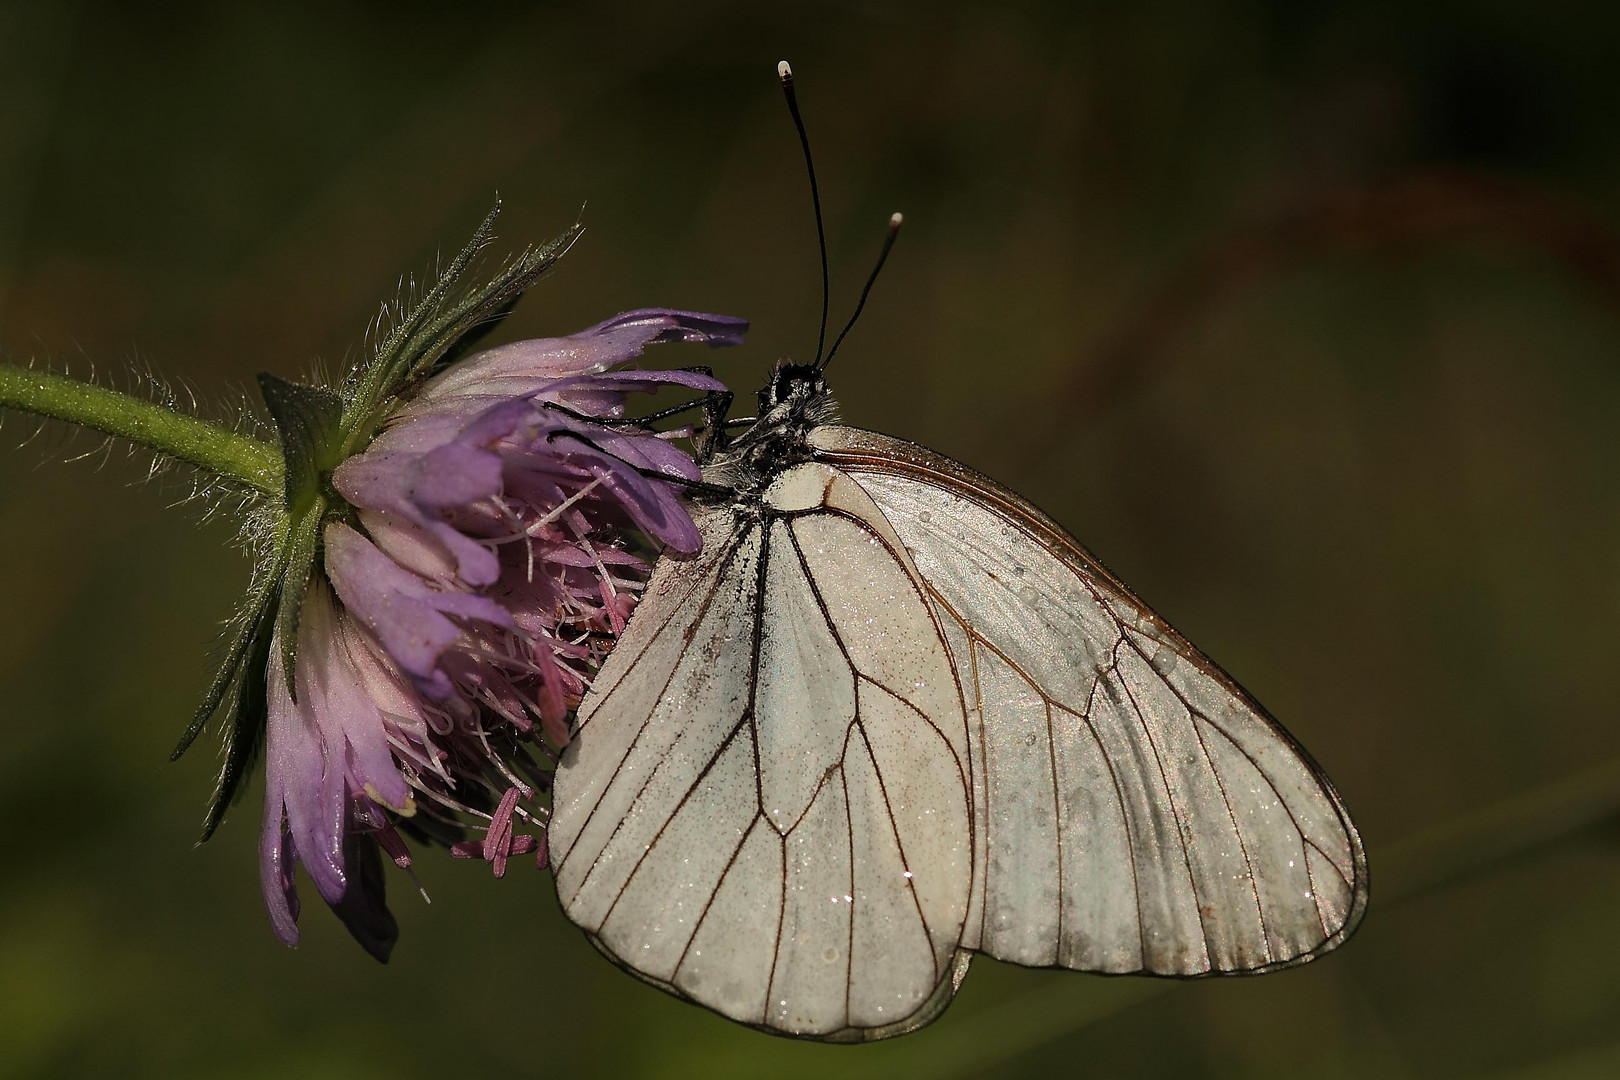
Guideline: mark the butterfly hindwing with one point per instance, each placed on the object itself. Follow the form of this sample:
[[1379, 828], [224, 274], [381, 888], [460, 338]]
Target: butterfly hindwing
[[764, 809], [1135, 810]]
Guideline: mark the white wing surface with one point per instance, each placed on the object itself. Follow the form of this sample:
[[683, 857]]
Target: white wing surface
[[1135, 810], [765, 808]]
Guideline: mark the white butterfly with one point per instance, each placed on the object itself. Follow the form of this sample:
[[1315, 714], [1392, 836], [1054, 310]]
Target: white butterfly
[[893, 715]]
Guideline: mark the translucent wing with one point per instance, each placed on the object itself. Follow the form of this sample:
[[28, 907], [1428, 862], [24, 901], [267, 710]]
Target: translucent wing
[[1135, 810], [765, 807]]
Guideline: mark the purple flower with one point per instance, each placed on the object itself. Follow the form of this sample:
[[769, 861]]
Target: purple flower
[[496, 541]]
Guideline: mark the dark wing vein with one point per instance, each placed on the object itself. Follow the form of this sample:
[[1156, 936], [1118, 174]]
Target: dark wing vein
[[1057, 814], [1304, 841], [899, 844], [1130, 843], [1237, 830], [675, 609], [1181, 818], [697, 926], [815, 792], [877, 770], [760, 572], [978, 710], [860, 676], [776, 938], [854, 890], [1282, 802], [877, 537], [703, 611], [674, 812]]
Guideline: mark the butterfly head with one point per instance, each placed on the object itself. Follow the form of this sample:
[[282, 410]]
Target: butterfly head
[[795, 400], [791, 389]]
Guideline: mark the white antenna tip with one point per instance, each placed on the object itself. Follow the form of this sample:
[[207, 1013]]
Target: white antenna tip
[[895, 219], [783, 71]]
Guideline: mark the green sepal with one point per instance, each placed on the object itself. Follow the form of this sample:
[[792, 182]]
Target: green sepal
[[248, 715], [448, 320], [308, 419], [481, 329], [239, 692], [302, 546], [395, 349], [241, 640], [478, 311]]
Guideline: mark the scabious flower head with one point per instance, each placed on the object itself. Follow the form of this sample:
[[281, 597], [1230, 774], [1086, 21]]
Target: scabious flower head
[[472, 598], [460, 545]]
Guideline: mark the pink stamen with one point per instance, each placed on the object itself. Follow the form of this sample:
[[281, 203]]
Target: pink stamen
[[498, 841]]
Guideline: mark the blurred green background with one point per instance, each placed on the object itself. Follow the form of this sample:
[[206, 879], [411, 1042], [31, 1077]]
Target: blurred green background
[[1306, 318]]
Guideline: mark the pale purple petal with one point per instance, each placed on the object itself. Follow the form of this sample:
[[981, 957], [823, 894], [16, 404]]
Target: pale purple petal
[[333, 694], [409, 544], [276, 861], [397, 701], [407, 615], [599, 395], [620, 461], [347, 701], [327, 757], [311, 789], [416, 430], [523, 366], [419, 487], [674, 324], [649, 382]]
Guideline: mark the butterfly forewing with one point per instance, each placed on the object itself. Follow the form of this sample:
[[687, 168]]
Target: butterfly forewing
[[1135, 810], [765, 805]]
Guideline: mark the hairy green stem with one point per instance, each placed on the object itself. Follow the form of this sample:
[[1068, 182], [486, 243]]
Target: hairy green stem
[[197, 442]]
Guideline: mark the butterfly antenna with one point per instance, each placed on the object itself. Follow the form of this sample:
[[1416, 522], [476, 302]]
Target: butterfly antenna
[[888, 244], [785, 73]]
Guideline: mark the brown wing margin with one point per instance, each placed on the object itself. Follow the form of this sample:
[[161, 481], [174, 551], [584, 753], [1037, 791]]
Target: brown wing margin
[[858, 451]]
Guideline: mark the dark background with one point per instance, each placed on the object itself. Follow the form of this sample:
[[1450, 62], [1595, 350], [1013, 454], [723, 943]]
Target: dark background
[[1302, 316]]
